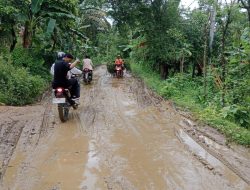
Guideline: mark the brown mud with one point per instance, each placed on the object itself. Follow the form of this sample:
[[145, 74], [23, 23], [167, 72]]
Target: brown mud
[[122, 137]]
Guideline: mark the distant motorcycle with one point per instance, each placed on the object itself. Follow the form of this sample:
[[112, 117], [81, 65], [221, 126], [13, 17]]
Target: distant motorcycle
[[64, 102], [119, 71], [87, 76]]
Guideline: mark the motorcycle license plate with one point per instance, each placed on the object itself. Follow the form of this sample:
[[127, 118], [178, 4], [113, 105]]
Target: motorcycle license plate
[[58, 100]]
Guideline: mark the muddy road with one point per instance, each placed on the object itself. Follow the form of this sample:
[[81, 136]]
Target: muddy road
[[122, 137]]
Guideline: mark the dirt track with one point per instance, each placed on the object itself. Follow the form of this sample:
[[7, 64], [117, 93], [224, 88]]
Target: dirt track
[[122, 137]]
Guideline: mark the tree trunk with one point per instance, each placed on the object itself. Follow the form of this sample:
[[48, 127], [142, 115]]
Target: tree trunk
[[182, 64], [193, 72], [223, 62], [205, 61], [223, 59], [14, 41], [199, 69], [246, 5], [164, 71], [27, 35]]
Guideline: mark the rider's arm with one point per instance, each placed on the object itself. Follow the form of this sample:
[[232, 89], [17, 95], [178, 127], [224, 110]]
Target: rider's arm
[[72, 65]]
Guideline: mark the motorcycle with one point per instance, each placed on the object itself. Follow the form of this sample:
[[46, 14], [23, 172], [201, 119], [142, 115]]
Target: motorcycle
[[87, 76], [119, 71], [64, 102]]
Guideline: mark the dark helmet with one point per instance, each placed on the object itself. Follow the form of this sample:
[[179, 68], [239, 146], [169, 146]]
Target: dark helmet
[[68, 55]]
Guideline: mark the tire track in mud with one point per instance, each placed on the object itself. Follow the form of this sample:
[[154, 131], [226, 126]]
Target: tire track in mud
[[192, 133], [98, 115], [126, 137], [157, 101], [204, 146], [10, 145], [20, 129], [145, 98], [45, 121]]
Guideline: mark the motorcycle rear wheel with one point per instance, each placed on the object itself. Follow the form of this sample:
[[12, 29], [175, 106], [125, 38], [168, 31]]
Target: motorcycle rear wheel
[[63, 113]]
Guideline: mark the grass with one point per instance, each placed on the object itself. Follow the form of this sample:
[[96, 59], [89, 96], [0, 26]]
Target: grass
[[186, 93]]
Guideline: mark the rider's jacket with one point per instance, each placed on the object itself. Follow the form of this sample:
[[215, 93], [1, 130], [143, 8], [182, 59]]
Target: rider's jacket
[[61, 69], [87, 64], [73, 71], [118, 62]]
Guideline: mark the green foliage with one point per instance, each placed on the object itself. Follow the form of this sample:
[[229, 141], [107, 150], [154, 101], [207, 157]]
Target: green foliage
[[238, 114], [233, 132], [49, 58], [18, 87], [30, 60], [36, 6], [111, 67], [127, 65], [51, 26], [187, 93]]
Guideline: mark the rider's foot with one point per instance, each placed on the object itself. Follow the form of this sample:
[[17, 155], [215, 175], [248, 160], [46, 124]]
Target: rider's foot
[[75, 106], [76, 100]]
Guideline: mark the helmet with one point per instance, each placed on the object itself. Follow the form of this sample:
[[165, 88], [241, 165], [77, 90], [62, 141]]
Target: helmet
[[60, 55]]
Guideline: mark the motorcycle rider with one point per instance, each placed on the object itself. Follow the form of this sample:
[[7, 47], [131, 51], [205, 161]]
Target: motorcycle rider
[[119, 63], [88, 64], [72, 72], [61, 68]]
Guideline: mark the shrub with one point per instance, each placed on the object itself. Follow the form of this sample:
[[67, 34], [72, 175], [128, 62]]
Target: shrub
[[127, 65], [49, 58], [110, 67], [30, 60], [168, 91], [188, 94], [238, 114], [18, 87]]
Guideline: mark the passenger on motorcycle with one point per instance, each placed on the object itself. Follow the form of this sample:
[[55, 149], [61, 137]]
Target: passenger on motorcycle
[[88, 64], [61, 68], [60, 56]]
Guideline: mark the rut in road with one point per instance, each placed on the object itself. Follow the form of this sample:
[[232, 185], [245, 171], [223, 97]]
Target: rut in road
[[121, 137]]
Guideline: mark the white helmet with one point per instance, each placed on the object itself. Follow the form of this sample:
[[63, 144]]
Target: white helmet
[[60, 55]]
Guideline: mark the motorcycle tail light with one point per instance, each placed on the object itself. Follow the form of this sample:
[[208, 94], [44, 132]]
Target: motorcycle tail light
[[59, 92]]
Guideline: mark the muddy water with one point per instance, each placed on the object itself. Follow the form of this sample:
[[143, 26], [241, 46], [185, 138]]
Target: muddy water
[[121, 137]]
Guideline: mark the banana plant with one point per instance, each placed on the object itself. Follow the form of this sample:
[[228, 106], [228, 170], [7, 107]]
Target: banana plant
[[33, 14], [30, 16]]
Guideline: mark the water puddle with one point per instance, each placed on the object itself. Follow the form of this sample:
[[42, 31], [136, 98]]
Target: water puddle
[[92, 166], [130, 113]]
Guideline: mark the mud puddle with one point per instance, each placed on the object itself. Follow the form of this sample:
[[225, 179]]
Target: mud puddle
[[122, 137]]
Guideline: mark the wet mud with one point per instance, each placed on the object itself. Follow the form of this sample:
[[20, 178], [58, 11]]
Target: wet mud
[[122, 137]]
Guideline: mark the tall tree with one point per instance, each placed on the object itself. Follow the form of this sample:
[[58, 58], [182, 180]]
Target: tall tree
[[246, 5]]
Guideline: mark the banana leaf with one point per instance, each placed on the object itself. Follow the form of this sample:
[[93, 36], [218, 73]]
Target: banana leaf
[[36, 6]]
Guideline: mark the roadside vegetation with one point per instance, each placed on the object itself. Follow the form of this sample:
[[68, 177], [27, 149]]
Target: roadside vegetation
[[186, 92], [32, 32], [198, 58]]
